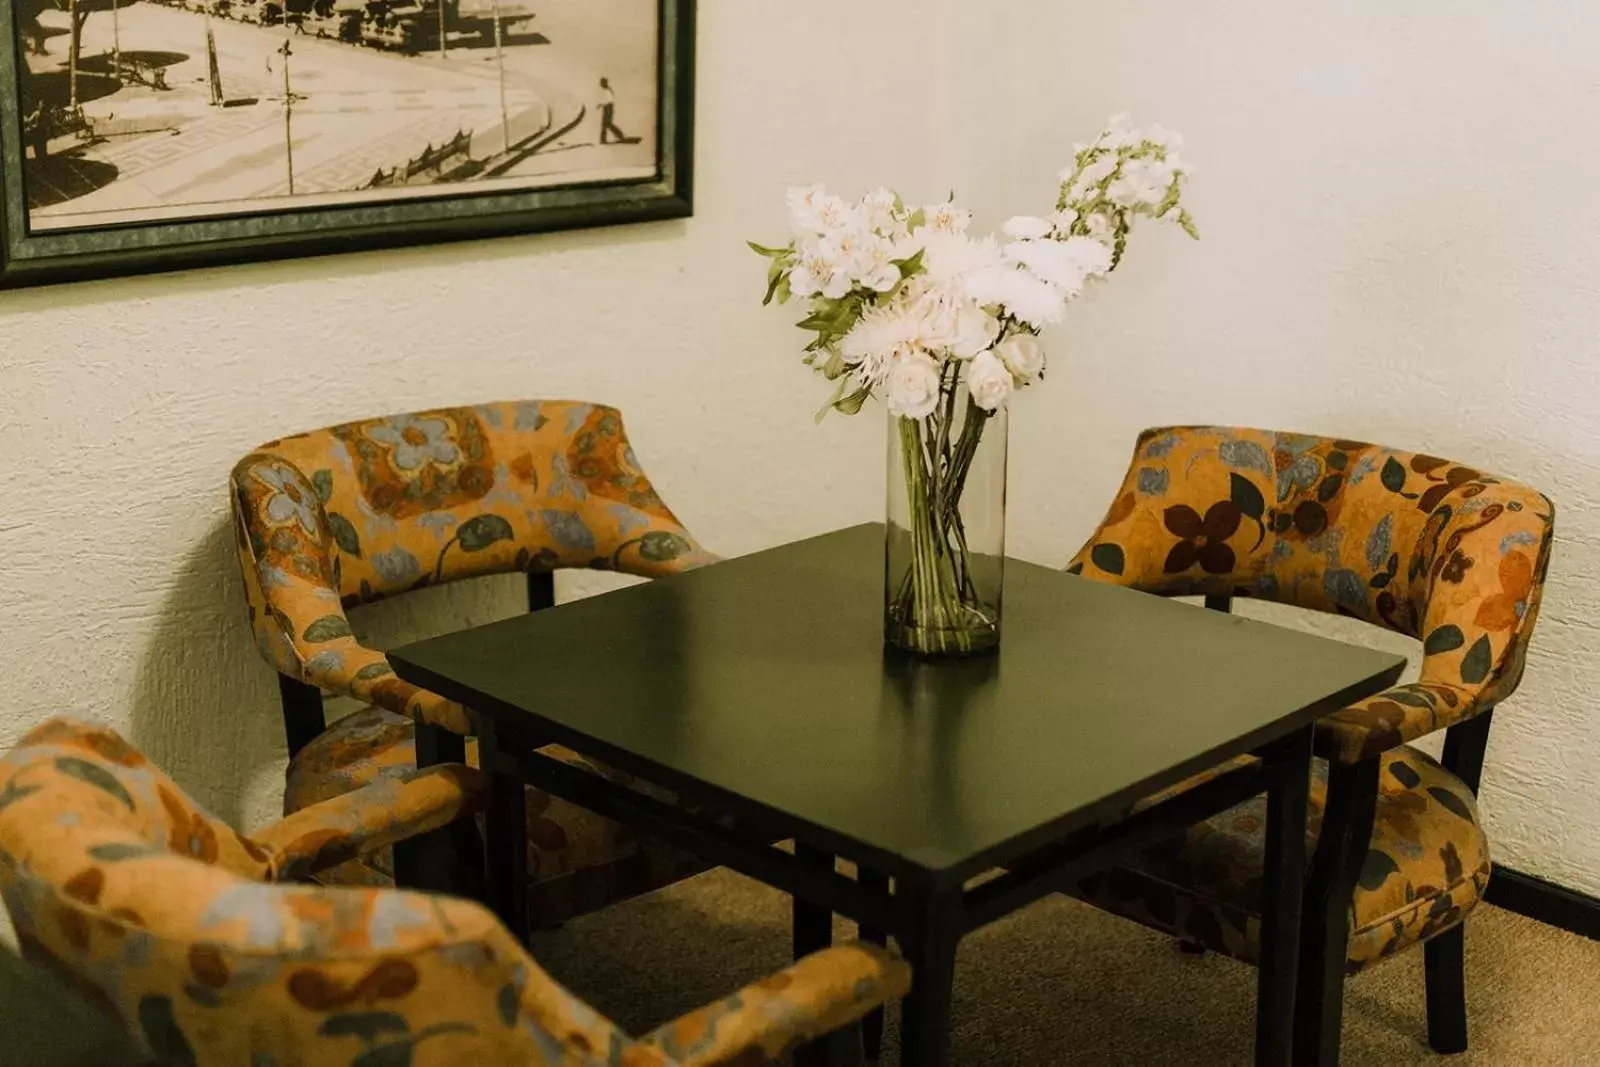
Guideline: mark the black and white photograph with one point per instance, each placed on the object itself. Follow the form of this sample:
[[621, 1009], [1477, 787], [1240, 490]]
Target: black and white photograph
[[137, 112]]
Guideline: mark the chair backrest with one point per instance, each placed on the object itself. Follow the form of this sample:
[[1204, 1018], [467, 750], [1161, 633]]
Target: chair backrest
[[370, 509], [1432, 549], [158, 914]]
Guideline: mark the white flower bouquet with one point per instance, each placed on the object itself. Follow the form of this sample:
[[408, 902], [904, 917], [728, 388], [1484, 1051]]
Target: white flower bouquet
[[905, 305]]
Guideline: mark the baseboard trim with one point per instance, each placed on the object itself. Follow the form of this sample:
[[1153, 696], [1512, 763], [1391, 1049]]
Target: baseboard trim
[[1549, 903]]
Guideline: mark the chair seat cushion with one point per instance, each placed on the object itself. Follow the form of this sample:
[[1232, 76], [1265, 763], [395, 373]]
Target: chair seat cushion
[[577, 861], [1426, 868]]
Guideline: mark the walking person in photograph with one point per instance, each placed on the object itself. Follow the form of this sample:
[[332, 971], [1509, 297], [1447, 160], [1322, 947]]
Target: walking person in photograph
[[610, 132]]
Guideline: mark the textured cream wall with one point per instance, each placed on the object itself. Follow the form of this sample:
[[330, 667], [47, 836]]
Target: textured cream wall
[[1399, 243]]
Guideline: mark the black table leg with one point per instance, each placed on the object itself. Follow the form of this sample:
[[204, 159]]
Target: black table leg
[[813, 932], [506, 854], [1289, 771], [872, 1025], [932, 931]]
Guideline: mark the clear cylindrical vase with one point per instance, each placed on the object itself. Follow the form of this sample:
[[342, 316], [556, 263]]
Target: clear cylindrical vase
[[944, 560]]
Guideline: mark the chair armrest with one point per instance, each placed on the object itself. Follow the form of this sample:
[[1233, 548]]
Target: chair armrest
[[819, 994], [1393, 718], [356, 824]]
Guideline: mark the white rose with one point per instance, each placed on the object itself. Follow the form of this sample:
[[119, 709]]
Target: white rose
[[988, 381], [1026, 227], [1022, 354], [913, 387]]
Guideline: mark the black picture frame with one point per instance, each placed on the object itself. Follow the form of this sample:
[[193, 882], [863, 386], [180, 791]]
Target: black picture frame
[[44, 258]]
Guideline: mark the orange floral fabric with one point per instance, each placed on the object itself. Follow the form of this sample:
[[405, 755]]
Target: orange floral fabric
[[166, 919], [383, 506], [1436, 550]]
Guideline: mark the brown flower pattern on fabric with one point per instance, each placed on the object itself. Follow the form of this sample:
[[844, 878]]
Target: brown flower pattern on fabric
[[1202, 540], [219, 965], [375, 508]]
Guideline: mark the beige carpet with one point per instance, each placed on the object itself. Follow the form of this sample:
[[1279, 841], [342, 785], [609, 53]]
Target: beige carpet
[[1061, 983]]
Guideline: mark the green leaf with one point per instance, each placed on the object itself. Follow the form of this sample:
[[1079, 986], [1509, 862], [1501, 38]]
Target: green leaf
[[1446, 638], [1109, 557], [1393, 476], [659, 546], [162, 1033], [508, 1001], [118, 851], [1377, 869], [344, 533], [835, 368], [783, 289], [1450, 802], [327, 628], [373, 670], [763, 250], [1245, 496], [481, 531], [367, 1025], [851, 404], [917, 218], [774, 277], [95, 775], [910, 265], [323, 482], [14, 792], [1475, 667]]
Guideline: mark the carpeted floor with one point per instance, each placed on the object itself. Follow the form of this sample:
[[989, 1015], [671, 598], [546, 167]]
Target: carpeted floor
[[1061, 983]]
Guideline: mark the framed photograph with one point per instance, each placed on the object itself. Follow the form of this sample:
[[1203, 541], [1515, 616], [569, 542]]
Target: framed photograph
[[142, 135]]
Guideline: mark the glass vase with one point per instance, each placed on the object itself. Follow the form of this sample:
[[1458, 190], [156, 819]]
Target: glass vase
[[944, 560]]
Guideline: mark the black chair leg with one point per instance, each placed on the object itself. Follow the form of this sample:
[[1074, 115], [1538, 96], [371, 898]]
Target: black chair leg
[[1445, 962]]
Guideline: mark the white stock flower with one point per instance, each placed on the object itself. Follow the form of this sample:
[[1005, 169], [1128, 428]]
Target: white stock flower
[[818, 272], [1142, 183], [988, 381], [874, 265], [878, 213], [947, 218], [1062, 221], [1026, 227], [1022, 354], [912, 387]]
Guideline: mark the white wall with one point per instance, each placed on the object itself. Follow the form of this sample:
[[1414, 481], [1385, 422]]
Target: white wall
[[1400, 243], [1398, 229]]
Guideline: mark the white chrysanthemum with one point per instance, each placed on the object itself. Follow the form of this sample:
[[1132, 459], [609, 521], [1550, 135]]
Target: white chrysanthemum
[[988, 381], [911, 389], [955, 322], [1030, 299], [1064, 264], [951, 256], [885, 334], [1026, 227], [1022, 354]]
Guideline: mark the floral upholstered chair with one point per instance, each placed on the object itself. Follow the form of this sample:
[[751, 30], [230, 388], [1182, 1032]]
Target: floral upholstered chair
[[170, 922], [1435, 550], [372, 509]]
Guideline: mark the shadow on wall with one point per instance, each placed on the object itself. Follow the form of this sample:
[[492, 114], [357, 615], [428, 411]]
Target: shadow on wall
[[205, 705]]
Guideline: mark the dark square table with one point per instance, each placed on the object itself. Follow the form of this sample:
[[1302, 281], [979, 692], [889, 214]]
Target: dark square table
[[760, 687]]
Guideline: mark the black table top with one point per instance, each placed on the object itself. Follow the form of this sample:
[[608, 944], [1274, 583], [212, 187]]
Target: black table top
[[763, 681]]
